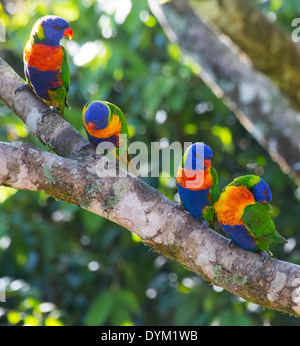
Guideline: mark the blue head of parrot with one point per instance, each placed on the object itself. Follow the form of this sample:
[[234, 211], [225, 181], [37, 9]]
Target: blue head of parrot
[[197, 157], [96, 115], [262, 192], [51, 29]]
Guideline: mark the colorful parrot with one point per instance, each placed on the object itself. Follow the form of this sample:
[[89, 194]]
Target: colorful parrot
[[46, 64], [197, 182], [243, 212], [105, 122]]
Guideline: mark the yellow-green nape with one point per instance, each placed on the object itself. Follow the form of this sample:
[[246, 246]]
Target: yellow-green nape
[[254, 180], [249, 180], [184, 157], [38, 30]]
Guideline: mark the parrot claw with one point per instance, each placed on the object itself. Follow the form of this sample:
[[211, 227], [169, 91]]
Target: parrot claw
[[50, 110], [265, 255], [23, 87], [205, 225], [179, 206], [230, 244]]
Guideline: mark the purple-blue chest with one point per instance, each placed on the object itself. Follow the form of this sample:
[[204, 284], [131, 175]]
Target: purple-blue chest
[[194, 201], [43, 81]]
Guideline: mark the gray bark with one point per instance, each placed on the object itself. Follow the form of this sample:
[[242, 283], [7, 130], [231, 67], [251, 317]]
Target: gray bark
[[270, 49]]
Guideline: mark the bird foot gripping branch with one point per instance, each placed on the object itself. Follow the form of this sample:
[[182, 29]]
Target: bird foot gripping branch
[[50, 110], [23, 87]]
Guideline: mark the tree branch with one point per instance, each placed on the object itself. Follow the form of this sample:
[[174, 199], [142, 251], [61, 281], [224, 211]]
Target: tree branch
[[141, 209], [270, 50], [258, 104]]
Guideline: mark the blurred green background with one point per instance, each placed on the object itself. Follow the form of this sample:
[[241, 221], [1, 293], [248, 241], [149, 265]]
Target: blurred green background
[[65, 266]]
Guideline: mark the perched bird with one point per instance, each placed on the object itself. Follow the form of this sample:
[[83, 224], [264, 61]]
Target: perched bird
[[243, 212], [105, 122], [46, 64], [197, 182]]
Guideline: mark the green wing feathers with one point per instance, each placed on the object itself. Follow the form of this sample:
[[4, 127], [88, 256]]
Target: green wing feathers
[[215, 188], [209, 212], [122, 152], [65, 75], [258, 221], [115, 110]]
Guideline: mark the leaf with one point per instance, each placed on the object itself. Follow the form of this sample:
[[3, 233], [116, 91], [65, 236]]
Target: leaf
[[100, 309], [120, 316], [128, 299]]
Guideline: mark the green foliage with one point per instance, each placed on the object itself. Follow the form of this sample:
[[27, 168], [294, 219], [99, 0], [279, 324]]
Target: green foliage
[[66, 266]]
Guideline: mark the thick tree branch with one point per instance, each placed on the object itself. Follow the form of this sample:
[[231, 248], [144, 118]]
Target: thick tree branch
[[259, 105], [87, 181], [271, 51]]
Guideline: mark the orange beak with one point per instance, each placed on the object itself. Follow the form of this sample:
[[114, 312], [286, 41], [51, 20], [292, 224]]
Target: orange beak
[[68, 33], [91, 126]]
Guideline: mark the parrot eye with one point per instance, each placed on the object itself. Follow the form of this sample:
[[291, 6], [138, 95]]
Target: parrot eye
[[56, 27]]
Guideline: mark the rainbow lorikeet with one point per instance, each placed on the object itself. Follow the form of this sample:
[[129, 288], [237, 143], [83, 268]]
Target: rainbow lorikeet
[[105, 122], [46, 64], [243, 212], [197, 182]]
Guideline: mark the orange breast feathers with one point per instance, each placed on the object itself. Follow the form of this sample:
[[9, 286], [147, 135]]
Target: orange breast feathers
[[113, 128], [194, 180], [42, 57], [231, 204]]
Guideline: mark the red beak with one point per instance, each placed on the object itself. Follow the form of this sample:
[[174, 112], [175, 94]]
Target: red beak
[[68, 33], [91, 126]]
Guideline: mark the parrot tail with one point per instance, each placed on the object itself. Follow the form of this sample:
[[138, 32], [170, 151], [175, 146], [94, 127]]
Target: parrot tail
[[276, 238], [67, 104]]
